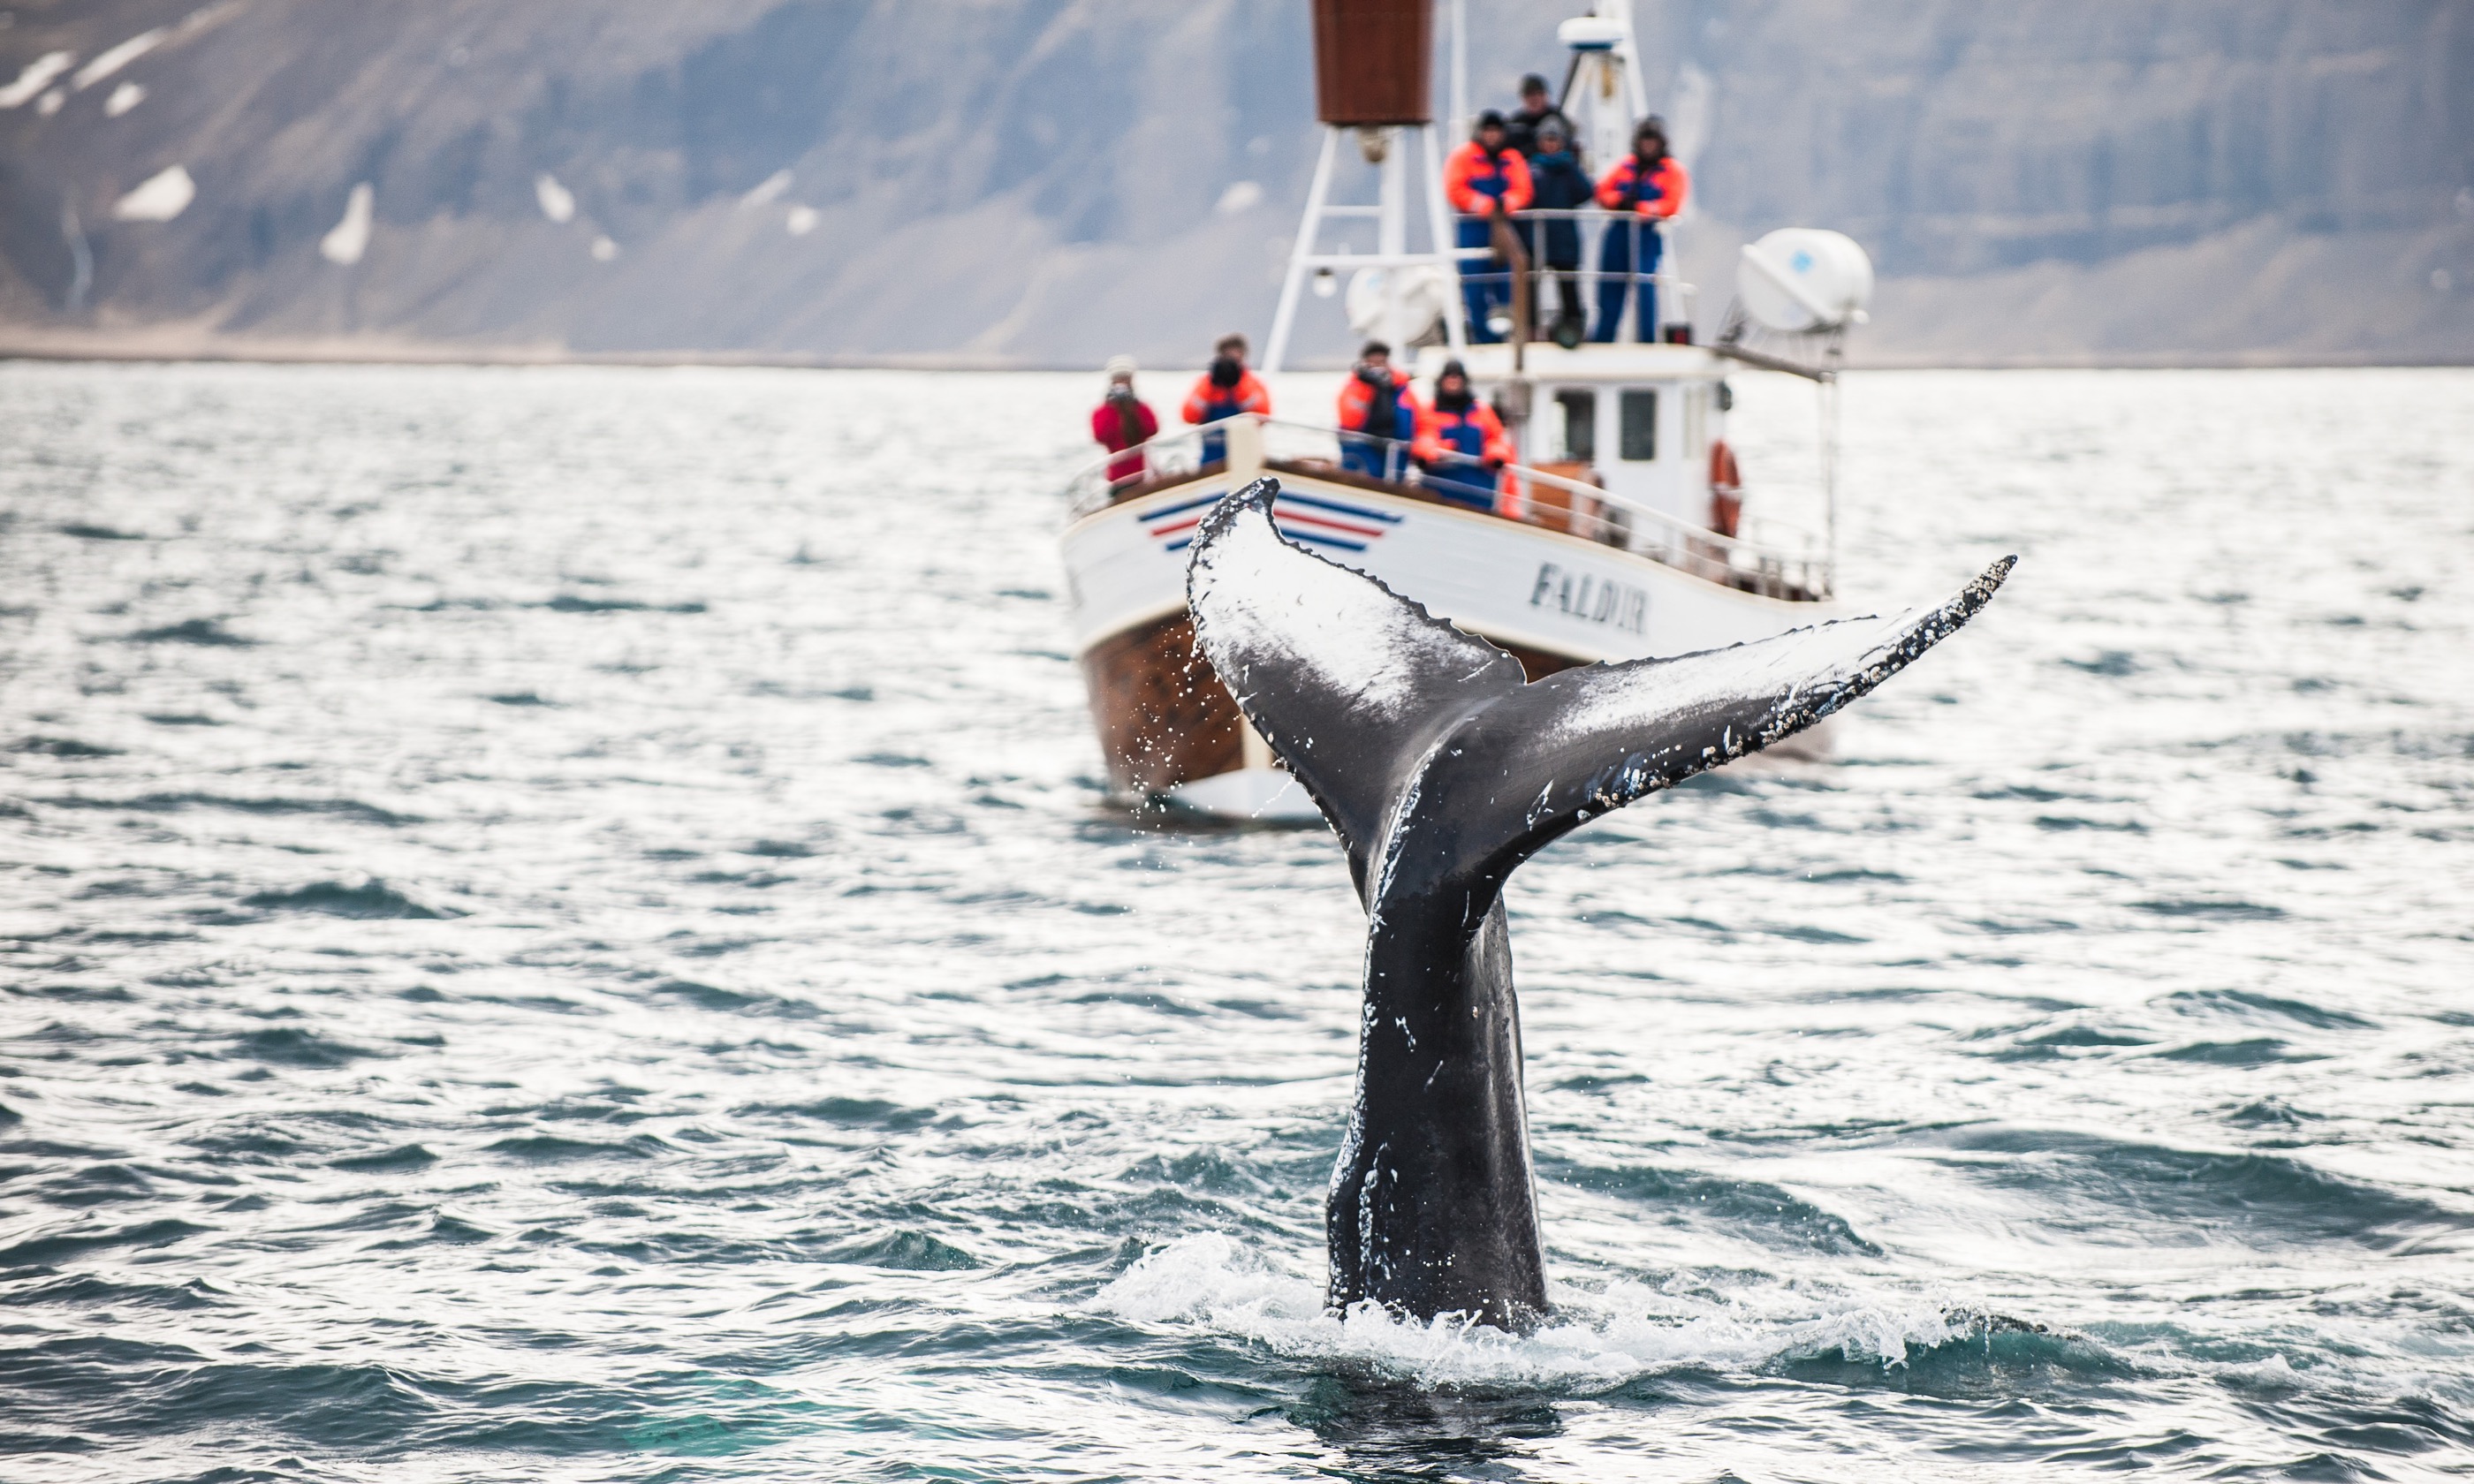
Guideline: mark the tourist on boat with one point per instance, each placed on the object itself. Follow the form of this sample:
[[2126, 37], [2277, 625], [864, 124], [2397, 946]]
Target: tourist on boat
[[1225, 390], [1461, 443], [1378, 419], [1647, 187], [1558, 184], [1122, 422], [1486, 177], [1536, 111]]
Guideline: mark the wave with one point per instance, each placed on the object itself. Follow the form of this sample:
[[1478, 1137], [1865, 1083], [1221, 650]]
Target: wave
[[2126, 1191], [63, 747], [1598, 1340], [170, 802], [366, 899], [208, 632]]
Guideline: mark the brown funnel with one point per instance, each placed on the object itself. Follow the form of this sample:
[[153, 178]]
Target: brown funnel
[[1372, 62]]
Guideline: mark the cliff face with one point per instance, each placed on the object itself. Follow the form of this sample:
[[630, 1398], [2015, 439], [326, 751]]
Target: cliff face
[[993, 180], [2080, 180]]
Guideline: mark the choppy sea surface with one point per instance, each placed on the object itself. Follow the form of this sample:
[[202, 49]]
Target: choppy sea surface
[[563, 923]]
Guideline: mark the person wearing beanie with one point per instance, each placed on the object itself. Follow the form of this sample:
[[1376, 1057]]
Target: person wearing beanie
[[1646, 187], [1461, 443], [1536, 111], [1377, 415], [1122, 424], [1482, 179], [1226, 390], [1555, 246]]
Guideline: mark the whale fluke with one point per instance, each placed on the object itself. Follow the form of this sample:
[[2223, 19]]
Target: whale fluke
[[1442, 771], [1353, 685]]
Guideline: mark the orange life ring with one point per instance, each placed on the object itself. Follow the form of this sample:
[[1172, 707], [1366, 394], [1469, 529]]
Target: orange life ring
[[1725, 489]]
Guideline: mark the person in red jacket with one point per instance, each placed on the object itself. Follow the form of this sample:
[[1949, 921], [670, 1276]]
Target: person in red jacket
[[1377, 415], [1223, 391], [1647, 188], [1461, 443], [1486, 177], [1121, 423]]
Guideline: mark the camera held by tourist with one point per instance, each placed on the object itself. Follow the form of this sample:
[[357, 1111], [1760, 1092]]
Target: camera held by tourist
[[1225, 391], [1122, 422], [1378, 418]]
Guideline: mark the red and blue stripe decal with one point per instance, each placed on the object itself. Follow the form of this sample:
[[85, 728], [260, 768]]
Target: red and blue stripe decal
[[1300, 517]]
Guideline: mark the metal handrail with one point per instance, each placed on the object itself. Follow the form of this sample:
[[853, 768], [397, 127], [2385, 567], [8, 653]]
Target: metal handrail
[[1593, 221], [1589, 512]]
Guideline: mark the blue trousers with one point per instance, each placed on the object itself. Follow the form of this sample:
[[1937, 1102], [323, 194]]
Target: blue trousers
[[1360, 454], [1487, 289], [1461, 484], [1628, 239]]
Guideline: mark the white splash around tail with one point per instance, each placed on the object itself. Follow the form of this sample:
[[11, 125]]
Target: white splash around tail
[[1208, 1282]]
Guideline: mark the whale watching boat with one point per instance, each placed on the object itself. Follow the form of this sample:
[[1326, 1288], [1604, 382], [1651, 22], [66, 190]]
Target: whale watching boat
[[1613, 532]]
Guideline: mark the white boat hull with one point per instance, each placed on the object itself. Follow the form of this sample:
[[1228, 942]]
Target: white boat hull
[[1551, 598], [1520, 585]]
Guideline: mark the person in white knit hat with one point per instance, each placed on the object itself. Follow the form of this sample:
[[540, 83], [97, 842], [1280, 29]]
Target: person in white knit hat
[[1122, 422]]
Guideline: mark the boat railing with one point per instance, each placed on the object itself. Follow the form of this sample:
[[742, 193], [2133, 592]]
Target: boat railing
[[1583, 278], [1795, 566], [1164, 458]]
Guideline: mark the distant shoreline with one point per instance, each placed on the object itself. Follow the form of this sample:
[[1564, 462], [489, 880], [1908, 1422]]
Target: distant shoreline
[[179, 345]]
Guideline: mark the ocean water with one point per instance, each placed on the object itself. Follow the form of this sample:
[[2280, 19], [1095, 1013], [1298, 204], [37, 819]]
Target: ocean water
[[562, 924]]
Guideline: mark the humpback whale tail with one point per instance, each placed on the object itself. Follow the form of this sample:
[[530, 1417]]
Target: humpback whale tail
[[1429, 753], [1442, 771]]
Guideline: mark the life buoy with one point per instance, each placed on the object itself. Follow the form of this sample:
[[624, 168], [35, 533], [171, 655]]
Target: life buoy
[[1725, 489]]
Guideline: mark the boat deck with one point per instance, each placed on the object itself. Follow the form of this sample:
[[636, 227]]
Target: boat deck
[[1561, 499]]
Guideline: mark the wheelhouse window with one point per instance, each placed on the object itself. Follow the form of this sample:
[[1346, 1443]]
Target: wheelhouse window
[[1639, 426], [1580, 413]]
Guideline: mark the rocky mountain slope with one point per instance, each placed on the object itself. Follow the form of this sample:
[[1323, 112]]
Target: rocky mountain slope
[[989, 181]]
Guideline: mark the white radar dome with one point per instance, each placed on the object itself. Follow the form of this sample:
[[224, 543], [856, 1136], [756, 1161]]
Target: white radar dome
[[1591, 33], [1801, 278]]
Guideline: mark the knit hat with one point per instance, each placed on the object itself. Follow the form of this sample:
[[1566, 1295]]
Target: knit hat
[[1121, 367]]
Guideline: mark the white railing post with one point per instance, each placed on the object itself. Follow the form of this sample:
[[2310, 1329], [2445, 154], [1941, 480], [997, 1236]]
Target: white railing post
[[1438, 228], [1829, 475], [1245, 448], [1308, 232], [1392, 236]]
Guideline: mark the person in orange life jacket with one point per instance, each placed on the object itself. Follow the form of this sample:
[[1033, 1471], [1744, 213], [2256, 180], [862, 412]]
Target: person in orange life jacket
[[1374, 404], [1458, 423], [1647, 187], [1558, 184], [1121, 422], [1225, 391], [1484, 176]]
